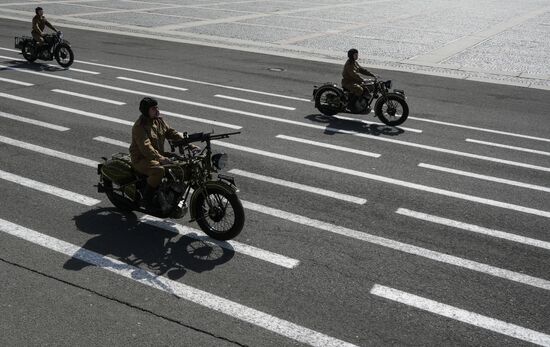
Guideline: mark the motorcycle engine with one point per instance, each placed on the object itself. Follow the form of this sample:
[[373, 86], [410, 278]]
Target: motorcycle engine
[[168, 197]]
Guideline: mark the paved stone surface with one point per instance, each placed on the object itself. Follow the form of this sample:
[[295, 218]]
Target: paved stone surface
[[501, 42]]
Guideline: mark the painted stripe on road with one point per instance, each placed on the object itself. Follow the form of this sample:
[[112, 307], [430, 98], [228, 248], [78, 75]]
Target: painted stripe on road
[[386, 179], [326, 145], [461, 315], [16, 82], [76, 70], [303, 187], [67, 109], [474, 228], [255, 102], [485, 177], [358, 120], [180, 290], [202, 120], [481, 129], [112, 141], [193, 81], [515, 148], [152, 83], [85, 96], [231, 245], [48, 151], [403, 247], [33, 121], [46, 188]]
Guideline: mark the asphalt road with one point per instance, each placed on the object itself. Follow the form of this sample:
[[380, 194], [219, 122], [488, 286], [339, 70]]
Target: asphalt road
[[346, 272]]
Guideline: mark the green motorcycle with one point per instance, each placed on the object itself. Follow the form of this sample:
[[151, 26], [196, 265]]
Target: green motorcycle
[[213, 203]]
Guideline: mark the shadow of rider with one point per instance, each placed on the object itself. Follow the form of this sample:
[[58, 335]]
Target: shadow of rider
[[124, 237], [334, 123]]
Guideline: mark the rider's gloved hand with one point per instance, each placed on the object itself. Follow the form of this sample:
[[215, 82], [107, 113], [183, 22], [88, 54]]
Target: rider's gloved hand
[[164, 161]]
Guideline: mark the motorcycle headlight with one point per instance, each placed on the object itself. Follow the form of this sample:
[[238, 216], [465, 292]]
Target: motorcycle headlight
[[388, 84], [219, 160]]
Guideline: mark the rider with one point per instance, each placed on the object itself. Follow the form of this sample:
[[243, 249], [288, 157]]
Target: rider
[[39, 23], [351, 80], [147, 148]]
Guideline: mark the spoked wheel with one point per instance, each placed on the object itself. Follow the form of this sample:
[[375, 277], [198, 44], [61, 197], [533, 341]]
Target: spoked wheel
[[29, 52], [328, 102], [115, 197], [64, 55], [219, 214], [392, 110]]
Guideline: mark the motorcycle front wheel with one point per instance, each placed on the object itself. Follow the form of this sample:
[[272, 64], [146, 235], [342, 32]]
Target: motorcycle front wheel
[[29, 52], [219, 214], [328, 102], [64, 55], [392, 110]]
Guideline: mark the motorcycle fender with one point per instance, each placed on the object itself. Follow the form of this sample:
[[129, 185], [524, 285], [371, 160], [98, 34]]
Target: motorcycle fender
[[399, 92], [217, 184]]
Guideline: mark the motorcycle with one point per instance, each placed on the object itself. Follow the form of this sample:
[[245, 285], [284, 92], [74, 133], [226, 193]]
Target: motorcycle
[[54, 46], [213, 204], [391, 106]]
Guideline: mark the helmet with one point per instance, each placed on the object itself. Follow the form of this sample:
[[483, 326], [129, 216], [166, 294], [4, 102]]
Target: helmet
[[145, 104], [351, 52], [38, 9]]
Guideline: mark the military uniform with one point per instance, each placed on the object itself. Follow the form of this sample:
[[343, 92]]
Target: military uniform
[[38, 25], [147, 147], [351, 79]]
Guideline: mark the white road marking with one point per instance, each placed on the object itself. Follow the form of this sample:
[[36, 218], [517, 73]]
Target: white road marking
[[481, 129], [485, 177], [474, 228], [180, 290], [386, 180], [112, 141], [461, 315], [255, 102], [521, 149], [193, 81], [48, 189], [153, 84], [306, 188], [119, 103], [11, 50], [67, 109], [236, 246], [16, 82], [202, 120], [336, 130], [33, 121], [403, 247], [77, 70], [358, 120], [326, 145], [48, 151]]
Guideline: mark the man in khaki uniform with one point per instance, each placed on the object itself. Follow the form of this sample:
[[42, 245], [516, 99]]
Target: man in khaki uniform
[[39, 23], [351, 80], [147, 147]]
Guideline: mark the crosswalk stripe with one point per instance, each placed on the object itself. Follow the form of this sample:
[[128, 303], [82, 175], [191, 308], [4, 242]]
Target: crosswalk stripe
[[515, 148], [403, 247], [152, 83], [180, 290], [90, 97], [461, 315], [474, 228], [46, 188], [7, 80], [327, 145], [33, 121]]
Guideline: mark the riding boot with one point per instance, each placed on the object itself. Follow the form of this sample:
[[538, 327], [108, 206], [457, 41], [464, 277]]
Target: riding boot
[[148, 196], [351, 103]]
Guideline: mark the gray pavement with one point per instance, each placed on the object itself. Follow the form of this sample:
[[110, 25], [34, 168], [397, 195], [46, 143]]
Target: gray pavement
[[505, 42]]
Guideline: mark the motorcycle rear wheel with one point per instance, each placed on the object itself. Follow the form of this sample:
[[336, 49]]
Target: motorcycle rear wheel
[[325, 101], [120, 202], [392, 111], [223, 218], [29, 52]]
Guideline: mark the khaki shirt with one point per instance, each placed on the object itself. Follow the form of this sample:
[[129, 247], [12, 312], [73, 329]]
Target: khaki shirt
[[351, 72], [148, 137], [39, 23]]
